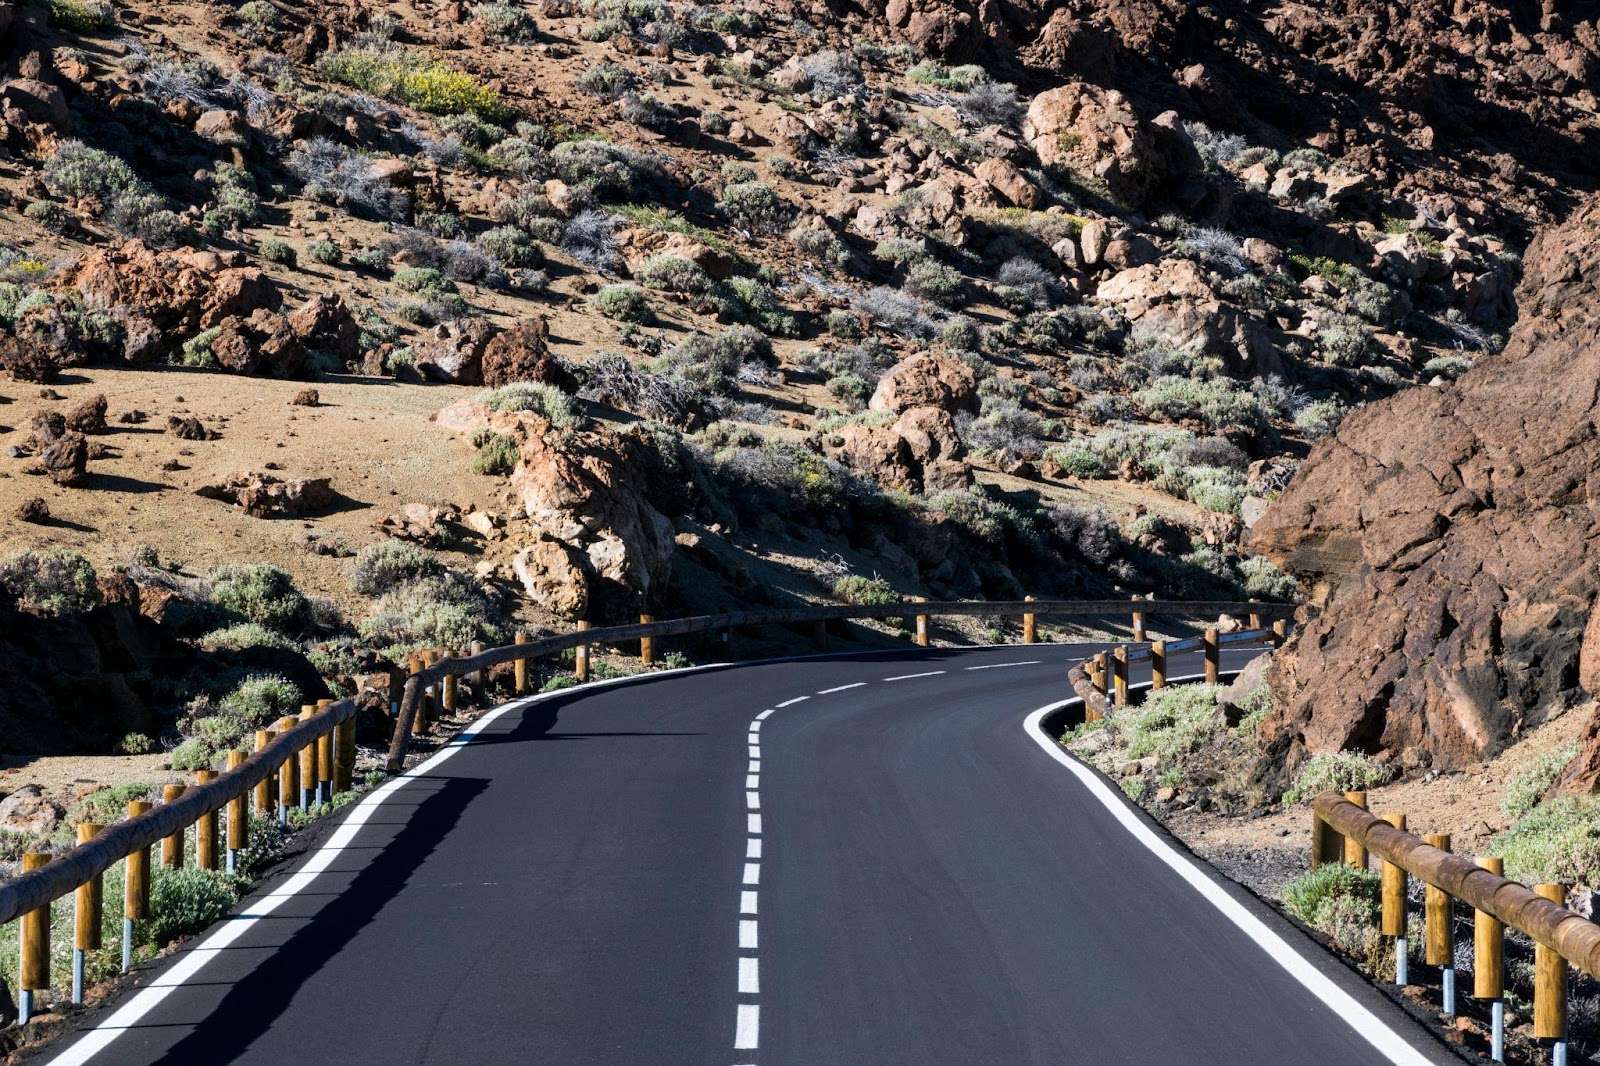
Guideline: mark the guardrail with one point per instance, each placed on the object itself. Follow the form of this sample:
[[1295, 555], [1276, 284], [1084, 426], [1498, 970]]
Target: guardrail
[[1342, 830], [430, 680], [304, 761], [1102, 681]]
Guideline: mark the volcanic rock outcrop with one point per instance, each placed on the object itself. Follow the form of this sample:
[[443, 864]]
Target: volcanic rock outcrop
[[1446, 539]]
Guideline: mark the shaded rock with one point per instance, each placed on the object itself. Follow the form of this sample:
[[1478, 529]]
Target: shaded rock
[[1012, 185], [326, 324], [88, 416], [189, 427], [453, 353], [180, 292], [521, 353], [34, 509], [1445, 536], [40, 101], [263, 344], [265, 496], [1095, 131], [307, 398], [66, 461]]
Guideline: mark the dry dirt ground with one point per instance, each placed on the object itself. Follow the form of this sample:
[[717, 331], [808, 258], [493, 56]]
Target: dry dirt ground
[[1266, 849]]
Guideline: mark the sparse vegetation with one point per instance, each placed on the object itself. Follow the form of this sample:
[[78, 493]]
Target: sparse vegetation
[[1338, 771]]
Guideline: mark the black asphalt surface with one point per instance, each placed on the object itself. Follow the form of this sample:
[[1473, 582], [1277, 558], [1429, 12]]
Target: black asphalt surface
[[934, 889]]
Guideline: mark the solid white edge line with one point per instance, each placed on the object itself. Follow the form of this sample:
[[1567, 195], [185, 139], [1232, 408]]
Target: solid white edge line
[[839, 688], [1364, 1022], [908, 677], [764, 715]]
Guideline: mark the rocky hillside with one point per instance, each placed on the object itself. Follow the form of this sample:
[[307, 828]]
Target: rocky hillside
[[1448, 533], [459, 316]]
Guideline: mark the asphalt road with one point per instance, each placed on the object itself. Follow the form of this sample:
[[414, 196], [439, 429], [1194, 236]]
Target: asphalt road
[[891, 872]]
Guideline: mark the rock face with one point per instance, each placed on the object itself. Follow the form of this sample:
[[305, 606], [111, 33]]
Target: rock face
[[521, 353], [926, 381], [600, 542], [1094, 130], [453, 354], [1445, 536]]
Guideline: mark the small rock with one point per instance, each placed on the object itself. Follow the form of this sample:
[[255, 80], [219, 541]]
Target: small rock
[[34, 510], [188, 428], [306, 398]]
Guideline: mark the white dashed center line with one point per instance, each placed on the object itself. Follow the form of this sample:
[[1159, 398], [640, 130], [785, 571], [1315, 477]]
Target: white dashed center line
[[908, 677], [1002, 666], [841, 688]]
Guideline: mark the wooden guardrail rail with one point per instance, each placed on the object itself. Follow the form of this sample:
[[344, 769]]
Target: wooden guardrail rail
[[1344, 831], [423, 680], [294, 761]]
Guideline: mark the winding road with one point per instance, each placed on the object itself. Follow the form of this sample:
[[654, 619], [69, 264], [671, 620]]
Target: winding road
[[870, 860]]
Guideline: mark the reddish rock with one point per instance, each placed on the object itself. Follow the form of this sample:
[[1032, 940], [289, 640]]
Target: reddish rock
[[926, 381], [307, 398], [1445, 536], [522, 354], [265, 496], [1095, 131], [326, 324], [180, 292], [34, 509], [453, 354], [261, 344], [66, 461], [89, 416]]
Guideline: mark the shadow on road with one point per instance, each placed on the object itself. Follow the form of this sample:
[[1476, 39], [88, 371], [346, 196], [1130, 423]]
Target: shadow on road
[[258, 998]]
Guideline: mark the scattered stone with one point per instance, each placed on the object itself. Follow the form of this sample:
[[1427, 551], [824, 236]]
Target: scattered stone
[[34, 509], [307, 398], [27, 811], [188, 427], [265, 496], [88, 416]]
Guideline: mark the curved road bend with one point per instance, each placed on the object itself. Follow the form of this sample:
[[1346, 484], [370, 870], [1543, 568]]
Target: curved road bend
[[890, 871]]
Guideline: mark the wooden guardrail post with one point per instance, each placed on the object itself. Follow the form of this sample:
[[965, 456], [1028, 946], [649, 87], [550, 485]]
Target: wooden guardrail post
[[324, 759], [205, 832], [308, 764], [519, 670], [922, 628], [451, 695], [580, 654], [1326, 843], [419, 724], [1355, 853], [1255, 620], [1550, 985], [1489, 964], [87, 914], [34, 972], [480, 679], [1280, 633], [647, 644], [1439, 930], [135, 888], [172, 846], [1158, 665], [1119, 675], [1213, 656], [238, 817], [430, 700], [1394, 906], [1102, 673], [1138, 626], [344, 756], [1030, 625], [288, 776], [264, 795]]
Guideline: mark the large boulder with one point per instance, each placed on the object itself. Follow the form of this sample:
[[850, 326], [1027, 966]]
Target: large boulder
[[522, 353], [1095, 131], [324, 323], [265, 496], [1445, 537], [552, 574], [453, 354], [926, 381], [263, 344], [28, 812]]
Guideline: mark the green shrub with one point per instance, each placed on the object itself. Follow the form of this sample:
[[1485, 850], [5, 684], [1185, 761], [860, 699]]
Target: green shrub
[[1219, 403], [385, 566], [186, 901], [261, 698], [135, 744], [1341, 901], [511, 247], [196, 352], [1079, 462], [931, 72], [506, 21], [262, 594], [107, 805], [439, 611], [1524, 791], [608, 81], [1264, 581], [246, 635], [1172, 722], [53, 581], [1338, 771], [1558, 840], [498, 454], [323, 251], [414, 78], [79, 18], [869, 591], [260, 14], [49, 214], [276, 251], [625, 303], [535, 396], [753, 206], [937, 283], [673, 273]]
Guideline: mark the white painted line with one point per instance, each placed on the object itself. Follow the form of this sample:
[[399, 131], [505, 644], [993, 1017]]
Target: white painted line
[[755, 751], [748, 1033], [908, 677], [752, 873], [747, 934], [755, 726], [752, 848], [749, 977], [753, 823], [842, 688], [1387, 1041], [754, 767], [752, 780], [791, 703], [752, 800], [764, 715], [1002, 666], [747, 903]]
